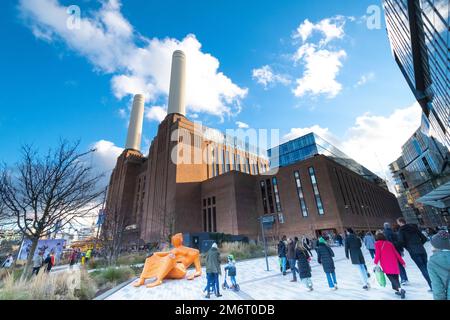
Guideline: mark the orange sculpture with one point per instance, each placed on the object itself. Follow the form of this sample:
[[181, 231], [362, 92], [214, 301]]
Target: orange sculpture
[[170, 265]]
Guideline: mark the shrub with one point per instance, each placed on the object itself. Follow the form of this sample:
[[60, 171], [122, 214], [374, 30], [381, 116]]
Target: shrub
[[110, 277], [132, 259], [96, 263]]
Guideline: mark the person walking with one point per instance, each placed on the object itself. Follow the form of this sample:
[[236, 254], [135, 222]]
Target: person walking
[[307, 245], [37, 263], [353, 251], [213, 270], [325, 257], [50, 261], [410, 238], [340, 240], [231, 269], [304, 268], [439, 265], [72, 258], [393, 238], [369, 242], [389, 258], [282, 254], [88, 256], [290, 256]]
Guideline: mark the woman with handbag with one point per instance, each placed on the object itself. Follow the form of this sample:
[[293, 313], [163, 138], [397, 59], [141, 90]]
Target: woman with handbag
[[388, 257]]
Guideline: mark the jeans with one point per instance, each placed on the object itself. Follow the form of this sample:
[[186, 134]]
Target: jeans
[[363, 272], [216, 283], [233, 280], [403, 275], [421, 261], [331, 277], [211, 284], [293, 268], [307, 282], [283, 264], [372, 253], [35, 270]]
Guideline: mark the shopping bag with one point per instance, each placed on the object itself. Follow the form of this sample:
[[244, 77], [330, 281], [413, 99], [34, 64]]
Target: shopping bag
[[379, 275]]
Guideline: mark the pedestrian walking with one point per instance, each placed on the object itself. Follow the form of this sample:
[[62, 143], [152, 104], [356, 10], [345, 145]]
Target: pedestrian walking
[[50, 261], [290, 256], [340, 240], [38, 261], [72, 258], [304, 268], [393, 238], [325, 257], [389, 258], [307, 245], [410, 238], [439, 265], [282, 254], [369, 242], [230, 268], [353, 251], [88, 256], [213, 270]]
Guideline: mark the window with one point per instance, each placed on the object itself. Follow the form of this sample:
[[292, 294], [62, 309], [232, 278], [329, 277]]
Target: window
[[214, 226], [301, 197], [319, 205], [204, 220], [269, 195], [227, 161], [209, 215], [277, 195], [209, 220]]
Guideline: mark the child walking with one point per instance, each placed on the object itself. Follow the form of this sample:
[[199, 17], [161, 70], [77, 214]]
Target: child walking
[[304, 269], [325, 258], [230, 268]]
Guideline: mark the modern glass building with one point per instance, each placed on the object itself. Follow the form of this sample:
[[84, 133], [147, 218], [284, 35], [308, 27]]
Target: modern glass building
[[311, 144], [421, 168], [419, 34]]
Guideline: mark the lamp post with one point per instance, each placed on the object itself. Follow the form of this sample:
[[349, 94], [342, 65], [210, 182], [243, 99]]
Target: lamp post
[[261, 219]]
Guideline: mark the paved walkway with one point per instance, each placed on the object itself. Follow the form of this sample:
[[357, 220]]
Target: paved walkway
[[256, 283]]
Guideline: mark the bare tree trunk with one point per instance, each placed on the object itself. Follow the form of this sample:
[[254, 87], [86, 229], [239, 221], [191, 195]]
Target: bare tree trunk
[[26, 270]]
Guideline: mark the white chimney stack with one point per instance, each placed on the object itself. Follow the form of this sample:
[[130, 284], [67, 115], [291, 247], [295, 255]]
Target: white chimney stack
[[177, 92], [135, 127]]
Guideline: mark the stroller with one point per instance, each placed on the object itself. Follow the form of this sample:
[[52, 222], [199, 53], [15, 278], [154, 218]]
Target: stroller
[[231, 268]]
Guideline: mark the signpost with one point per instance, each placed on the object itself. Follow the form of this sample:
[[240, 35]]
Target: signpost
[[266, 219]]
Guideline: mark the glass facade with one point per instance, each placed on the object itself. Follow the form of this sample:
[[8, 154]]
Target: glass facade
[[311, 144], [277, 194], [419, 34], [319, 204]]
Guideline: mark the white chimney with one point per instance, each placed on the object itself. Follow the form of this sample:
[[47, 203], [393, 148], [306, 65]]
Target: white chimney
[[177, 92], [135, 126]]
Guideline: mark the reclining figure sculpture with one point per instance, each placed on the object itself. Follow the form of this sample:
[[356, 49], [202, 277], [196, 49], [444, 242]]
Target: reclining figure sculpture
[[170, 265]]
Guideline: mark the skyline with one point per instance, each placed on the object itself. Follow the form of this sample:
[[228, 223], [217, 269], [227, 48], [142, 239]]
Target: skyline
[[315, 70]]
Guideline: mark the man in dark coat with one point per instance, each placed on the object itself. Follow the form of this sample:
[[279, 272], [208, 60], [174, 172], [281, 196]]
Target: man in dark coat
[[213, 269], [325, 258], [282, 254], [410, 238], [353, 250], [392, 237]]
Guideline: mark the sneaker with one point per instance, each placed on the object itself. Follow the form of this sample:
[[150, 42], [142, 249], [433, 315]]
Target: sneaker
[[334, 288], [294, 280], [368, 275], [218, 295], [430, 291], [402, 293], [284, 273], [366, 287], [310, 289], [207, 296]]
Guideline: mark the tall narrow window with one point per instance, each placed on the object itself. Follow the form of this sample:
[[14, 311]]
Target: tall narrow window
[[204, 220], [301, 197], [209, 220], [277, 194], [213, 163], [263, 196], [319, 204], [214, 220], [269, 195], [222, 160], [247, 165], [217, 161], [227, 161]]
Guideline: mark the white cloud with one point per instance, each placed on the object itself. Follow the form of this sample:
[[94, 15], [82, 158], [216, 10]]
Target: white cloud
[[321, 69], [242, 125], [155, 113], [266, 76], [104, 158], [138, 64], [364, 79], [321, 62], [329, 28], [374, 141]]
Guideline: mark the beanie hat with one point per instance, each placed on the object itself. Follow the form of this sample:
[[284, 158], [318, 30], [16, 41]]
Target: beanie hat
[[322, 240], [441, 240], [214, 245]]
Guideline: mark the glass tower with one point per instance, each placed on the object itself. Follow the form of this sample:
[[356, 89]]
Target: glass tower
[[311, 144], [419, 34]]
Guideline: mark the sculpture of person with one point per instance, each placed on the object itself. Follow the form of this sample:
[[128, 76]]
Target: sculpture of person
[[172, 264]]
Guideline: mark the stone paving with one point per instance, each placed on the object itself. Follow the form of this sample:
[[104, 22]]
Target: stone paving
[[257, 283]]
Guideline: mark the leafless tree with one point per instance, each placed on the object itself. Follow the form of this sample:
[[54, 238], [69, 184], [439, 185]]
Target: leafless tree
[[42, 191]]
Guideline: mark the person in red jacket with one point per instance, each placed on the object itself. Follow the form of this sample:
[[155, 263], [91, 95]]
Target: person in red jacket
[[388, 257]]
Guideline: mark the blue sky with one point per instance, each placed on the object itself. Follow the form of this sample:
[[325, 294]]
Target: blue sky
[[76, 83]]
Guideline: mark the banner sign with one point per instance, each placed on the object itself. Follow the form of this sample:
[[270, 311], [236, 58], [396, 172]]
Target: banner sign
[[46, 246]]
